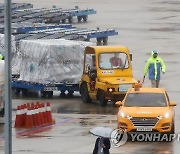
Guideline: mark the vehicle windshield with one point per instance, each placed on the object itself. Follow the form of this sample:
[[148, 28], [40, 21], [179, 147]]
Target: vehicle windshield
[[145, 100], [113, 60]]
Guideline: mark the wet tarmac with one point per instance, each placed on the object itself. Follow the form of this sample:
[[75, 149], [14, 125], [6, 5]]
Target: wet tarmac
[[142, 26]]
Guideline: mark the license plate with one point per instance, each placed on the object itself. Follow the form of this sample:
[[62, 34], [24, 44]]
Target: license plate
[[50, 89], [144, 129], [124, 87]]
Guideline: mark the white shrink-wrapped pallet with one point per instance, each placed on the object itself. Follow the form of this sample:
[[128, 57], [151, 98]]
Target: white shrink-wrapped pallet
[[52, 61], [15, 63], [13, 46]]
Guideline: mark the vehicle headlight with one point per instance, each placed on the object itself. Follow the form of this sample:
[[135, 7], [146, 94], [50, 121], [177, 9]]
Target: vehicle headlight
[[123, 115], [111, 89], [166, 115]]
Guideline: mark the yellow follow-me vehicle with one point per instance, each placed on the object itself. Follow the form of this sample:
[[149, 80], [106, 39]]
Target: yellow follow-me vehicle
[[146, 110], [107, 74]]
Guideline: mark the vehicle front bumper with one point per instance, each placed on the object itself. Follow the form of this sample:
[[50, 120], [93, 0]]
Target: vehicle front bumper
[[162, 125], [115, 96]]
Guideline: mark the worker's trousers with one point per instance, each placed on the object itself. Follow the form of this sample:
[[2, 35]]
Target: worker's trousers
[[155, 83]]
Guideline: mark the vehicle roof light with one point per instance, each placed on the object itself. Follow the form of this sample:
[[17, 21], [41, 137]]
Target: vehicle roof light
[[137, 86]]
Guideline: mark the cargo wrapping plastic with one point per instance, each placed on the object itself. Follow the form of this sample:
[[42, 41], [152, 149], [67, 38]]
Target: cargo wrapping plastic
[[52, 61], [15, 63]]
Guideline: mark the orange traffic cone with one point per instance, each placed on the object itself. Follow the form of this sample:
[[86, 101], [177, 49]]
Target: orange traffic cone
[[37, 115], [18, 121], [29, 119], [44, 113], [41, 114], [35, 120], [24, 111], [49, 114]]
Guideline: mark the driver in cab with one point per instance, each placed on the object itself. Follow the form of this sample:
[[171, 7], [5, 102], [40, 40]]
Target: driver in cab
[[116, 61]]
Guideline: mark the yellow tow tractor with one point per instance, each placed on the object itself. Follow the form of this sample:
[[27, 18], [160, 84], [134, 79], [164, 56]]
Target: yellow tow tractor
[[107, 74]]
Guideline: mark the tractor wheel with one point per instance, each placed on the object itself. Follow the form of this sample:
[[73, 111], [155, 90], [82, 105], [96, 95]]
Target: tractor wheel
[[101, 98], [85, 94]]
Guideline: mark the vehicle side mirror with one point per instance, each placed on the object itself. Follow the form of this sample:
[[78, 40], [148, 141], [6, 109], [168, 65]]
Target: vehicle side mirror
[[119, 103], [172, 104], [130, 57]]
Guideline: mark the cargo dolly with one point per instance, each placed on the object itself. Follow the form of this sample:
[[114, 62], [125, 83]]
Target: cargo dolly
[[46, 90], [23, 28], [53, 15], [16, 6], [82, 15], [61, 16], [69, 33]]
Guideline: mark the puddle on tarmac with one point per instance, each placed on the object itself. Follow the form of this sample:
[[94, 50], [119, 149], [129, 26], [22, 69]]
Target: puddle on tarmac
[[111, 121], [39, 136], [91, 109], [163, 29], [87, 123], [85, 133]]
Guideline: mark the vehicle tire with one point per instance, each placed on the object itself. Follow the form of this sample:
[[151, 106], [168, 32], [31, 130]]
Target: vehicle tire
[[70, 94], [70, 19], [99, 41], [172, 128], [170, 134], [79, 18], [16, 91], [43, 94], [85, 18], [2, 113], [49, 94], [105, 40], [24, 92], [101, 98], [62, 94], [63, 21], [85, 94]]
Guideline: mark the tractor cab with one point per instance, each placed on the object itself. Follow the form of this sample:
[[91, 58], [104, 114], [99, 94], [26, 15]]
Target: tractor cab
[[107, 73]]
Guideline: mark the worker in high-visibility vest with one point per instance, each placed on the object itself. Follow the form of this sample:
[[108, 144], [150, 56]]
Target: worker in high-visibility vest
[[155, 65]]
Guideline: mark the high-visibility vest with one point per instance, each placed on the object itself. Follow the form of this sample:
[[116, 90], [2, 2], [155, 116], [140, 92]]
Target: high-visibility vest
[[1, 57]]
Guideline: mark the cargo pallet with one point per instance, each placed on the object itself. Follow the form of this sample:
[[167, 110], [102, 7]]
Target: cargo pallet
[[46, 90]]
